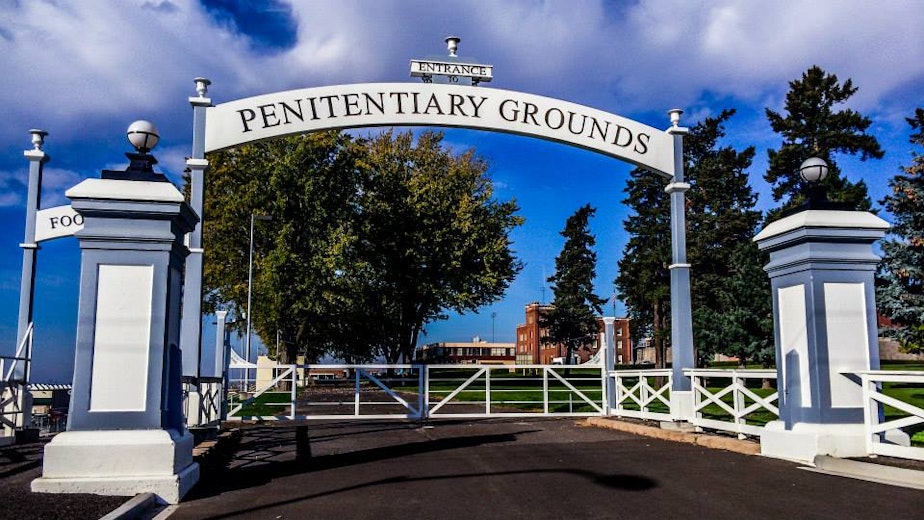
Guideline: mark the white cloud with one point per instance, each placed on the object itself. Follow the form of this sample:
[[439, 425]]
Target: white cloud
[[55, 182], [65, 63]]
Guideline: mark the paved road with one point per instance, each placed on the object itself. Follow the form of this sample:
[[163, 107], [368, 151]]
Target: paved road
[[512, 469], [19, 465]]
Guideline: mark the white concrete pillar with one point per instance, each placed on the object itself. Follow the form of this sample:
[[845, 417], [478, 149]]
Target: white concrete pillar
[[126, 432], [821, 270]]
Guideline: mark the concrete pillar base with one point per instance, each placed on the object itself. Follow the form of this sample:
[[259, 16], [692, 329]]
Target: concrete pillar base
[[806, 441], [682, 405], [120, 462]]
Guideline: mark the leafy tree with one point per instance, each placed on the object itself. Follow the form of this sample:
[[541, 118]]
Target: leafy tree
[[900, 281], [730, 291], [430, 237], [812, 127], [308, 186], [572, 319], [643, 282], [369, 240]]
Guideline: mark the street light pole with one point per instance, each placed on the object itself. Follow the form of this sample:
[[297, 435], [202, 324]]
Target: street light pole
[[493, 315], [253, 217]]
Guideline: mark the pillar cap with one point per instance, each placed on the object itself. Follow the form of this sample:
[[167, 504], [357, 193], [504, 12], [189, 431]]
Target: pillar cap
[[125, 190], [833, 219]]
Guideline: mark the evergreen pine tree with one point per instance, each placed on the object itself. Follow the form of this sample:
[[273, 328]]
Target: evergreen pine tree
[[730, 291], [812, 127], [900, 281], [727, 276], [643, 282], [572, 320]]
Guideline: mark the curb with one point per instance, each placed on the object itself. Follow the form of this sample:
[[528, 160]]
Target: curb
[[869, 472], [138, 506], [698, 439]]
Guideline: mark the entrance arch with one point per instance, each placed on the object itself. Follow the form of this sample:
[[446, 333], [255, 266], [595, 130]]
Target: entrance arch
[[429, 104], [237, 122]]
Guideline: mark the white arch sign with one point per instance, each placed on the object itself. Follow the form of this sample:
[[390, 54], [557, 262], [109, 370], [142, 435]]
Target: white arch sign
[[430, 104]]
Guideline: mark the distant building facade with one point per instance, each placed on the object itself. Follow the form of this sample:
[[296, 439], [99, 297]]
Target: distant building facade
[[475, 352], [531, 350]]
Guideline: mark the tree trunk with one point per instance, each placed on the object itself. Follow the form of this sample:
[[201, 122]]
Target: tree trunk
[[657, 338]]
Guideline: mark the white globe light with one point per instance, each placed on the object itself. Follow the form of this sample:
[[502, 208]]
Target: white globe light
[[143, 136], [813, 169]]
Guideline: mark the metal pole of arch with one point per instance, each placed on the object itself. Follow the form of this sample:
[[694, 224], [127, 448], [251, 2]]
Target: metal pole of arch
[[681, 312], [191, 322], [37, 159]]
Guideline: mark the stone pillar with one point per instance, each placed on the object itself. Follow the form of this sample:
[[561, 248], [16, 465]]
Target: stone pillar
[[126, 432], [821, 270]]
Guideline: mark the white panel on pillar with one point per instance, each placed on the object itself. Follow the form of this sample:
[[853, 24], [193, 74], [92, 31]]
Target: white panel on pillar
[[794, 339], [122, 338], [848, 340]]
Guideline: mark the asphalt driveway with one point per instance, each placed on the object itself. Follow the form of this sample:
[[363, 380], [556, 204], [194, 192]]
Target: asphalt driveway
[[511, 469]]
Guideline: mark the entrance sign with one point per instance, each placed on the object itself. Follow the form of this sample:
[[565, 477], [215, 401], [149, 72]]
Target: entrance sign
[[457, 106], [426, 69], [57, 222]]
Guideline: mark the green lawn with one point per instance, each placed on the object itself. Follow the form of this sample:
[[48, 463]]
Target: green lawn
[[266, 404], [519, 391]]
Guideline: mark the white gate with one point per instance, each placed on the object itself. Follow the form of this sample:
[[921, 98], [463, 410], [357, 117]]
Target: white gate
[[420, 392]]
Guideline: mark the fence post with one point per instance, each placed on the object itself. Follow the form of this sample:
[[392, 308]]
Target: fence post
[[424, 386], [487, 390], [293, 389], [356, 391], [545, 389], [738, 382], [609, 362]]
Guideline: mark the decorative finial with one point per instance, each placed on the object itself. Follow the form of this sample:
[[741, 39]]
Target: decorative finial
[[452, 43], [38, 138], [143, 136], [202, 86], [675, 116]]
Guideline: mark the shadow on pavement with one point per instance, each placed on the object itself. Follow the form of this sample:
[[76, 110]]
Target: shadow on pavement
[[622, 482], [253, 465]]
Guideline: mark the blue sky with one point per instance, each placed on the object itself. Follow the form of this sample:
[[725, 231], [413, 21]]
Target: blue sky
[[83, 71]]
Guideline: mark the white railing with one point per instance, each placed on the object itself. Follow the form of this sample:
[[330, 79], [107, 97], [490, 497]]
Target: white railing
[[422, 391], [21, 366], [15, 401], [210, 396], [875, 421], [514, 390], [642, 394], [371, 392], [728, 407]]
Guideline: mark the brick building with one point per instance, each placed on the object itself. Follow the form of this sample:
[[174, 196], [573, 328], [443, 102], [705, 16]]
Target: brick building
[[530, 349], [477, 351]]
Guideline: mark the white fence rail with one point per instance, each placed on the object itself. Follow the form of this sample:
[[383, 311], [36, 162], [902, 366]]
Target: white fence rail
[[513, 390], [642, 394], [423, 391], [735, 401], [15, 399], [909, 418], [727, 406]]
